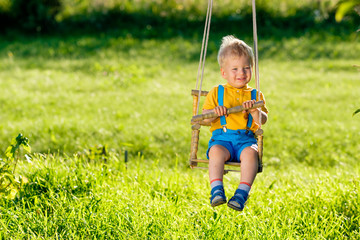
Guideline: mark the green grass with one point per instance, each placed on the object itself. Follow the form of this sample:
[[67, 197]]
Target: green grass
[[74, 199], [73, 93]]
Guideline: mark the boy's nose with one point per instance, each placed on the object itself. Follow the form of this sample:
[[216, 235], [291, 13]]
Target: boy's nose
[[241, 72]]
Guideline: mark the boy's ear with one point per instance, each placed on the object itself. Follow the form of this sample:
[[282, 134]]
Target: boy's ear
[[222, 72]]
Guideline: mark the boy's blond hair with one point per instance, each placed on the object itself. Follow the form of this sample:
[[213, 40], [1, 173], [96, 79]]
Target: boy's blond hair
[[234, 47]]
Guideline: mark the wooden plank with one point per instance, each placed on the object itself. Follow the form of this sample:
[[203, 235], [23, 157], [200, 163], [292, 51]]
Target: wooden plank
[[196, 93], [225, 170], [202, 123], [235, 164], [236, 109]]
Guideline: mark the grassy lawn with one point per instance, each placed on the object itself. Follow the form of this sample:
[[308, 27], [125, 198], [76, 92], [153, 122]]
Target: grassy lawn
[[73, 93]]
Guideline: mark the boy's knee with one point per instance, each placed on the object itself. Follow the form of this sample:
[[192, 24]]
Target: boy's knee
[[249, 153], [219, 151]]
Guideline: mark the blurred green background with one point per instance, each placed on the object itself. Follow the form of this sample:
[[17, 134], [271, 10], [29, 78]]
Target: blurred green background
[[161, 18], [76, 74]]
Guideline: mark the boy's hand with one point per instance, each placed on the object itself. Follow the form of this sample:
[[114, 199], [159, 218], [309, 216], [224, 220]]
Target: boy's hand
[[220, 111], [249, 104]]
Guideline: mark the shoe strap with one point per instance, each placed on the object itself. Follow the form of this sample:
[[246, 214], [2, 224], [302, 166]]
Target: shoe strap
[[217, 188], [242, 193], [217, 191]]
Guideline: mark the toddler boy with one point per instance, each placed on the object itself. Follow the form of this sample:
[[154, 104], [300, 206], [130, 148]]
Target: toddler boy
[[233, 135]]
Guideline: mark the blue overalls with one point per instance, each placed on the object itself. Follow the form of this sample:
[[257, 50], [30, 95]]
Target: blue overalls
[[235, 141]]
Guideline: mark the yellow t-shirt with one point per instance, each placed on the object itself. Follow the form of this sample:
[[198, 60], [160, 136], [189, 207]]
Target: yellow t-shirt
[[232, 97]]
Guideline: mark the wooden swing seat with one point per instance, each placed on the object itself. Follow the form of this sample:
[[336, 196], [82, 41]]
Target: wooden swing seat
[[197, 122]]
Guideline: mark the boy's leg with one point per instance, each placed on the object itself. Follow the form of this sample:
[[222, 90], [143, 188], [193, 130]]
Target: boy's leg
[[218, 155], [249, 167]]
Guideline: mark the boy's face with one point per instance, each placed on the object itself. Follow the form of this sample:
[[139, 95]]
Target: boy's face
[[237, 71]]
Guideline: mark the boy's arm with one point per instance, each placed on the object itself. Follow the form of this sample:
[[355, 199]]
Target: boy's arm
[[255, 113], [219, 110]]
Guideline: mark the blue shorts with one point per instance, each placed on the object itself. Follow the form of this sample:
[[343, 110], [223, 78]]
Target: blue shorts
[[235, 141]]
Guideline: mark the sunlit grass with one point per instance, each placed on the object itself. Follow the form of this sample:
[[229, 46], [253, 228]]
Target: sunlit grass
[[76, 199], [71, 94], [80, 92]]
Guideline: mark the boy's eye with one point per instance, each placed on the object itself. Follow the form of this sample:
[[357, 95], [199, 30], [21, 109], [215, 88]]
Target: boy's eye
[[234, 69]]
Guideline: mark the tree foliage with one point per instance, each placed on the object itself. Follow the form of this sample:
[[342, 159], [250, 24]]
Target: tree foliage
[[35, 15], [345, 7]]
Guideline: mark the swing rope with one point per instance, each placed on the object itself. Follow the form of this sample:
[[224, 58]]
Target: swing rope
[[256, 55], [204, 50]]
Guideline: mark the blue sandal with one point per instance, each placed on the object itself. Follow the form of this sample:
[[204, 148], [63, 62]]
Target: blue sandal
[[217, 196], [237, 202]]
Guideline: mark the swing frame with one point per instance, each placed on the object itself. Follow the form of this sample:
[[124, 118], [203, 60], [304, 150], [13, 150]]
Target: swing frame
[[197, 122]]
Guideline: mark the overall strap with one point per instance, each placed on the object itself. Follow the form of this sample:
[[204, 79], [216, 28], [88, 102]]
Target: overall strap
[[221, 103], [250, 118]]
